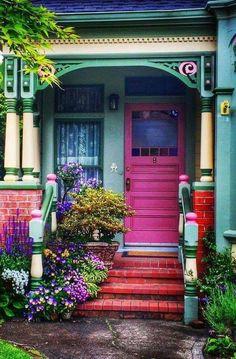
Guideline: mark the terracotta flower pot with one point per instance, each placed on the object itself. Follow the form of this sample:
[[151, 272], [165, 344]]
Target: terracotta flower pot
[[104, 251]]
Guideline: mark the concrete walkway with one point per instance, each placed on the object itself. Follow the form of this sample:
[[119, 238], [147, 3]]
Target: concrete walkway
[[107, 339]]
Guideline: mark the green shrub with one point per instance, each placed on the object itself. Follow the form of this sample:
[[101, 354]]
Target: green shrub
[[96, 210], [11, 303], [220, 311], [92, 274], [221, 267], [220, 346]]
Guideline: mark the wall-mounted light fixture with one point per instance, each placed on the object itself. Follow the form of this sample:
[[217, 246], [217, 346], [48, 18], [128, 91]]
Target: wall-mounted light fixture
[[113, 102], [225, 108]]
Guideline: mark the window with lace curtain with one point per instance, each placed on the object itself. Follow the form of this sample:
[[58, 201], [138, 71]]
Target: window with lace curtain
[[79, 140]]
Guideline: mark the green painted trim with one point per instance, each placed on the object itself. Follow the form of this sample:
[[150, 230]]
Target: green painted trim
[[36, 120], [223, 91], [11, 77], [28, 171], [173, 16], [28, 104], [134, 55], [11, 171], [206, 171], [54, 206], [190, 251], [19, 185], [191, 289], [206, 104], [37, 248], [230, 235], [35, 282], [217, 4], [11, 105], [36, 174], [26, 82], [203, 186], [167, 64]]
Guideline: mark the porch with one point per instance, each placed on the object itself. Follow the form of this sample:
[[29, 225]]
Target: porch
[[171, 91]]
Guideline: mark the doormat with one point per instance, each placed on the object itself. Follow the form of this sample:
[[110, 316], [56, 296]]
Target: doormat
[[149, 254]]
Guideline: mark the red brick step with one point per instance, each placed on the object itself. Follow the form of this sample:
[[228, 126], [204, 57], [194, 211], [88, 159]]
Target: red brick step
[[130, 288], [114, 308], [136, 287], [145, 262], [146, 275]]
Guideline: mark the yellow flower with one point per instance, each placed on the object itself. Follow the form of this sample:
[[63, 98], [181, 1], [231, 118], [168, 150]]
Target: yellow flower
[[65, 253], [47, 252]]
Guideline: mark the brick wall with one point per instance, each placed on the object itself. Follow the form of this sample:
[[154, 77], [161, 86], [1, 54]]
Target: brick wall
[[203, 206], [23, 199]]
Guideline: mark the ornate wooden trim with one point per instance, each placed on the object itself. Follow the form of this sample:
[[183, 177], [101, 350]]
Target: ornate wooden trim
[[137, 40]]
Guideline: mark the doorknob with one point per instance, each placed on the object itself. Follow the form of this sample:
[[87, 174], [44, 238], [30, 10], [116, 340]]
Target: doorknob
[[127, 184]]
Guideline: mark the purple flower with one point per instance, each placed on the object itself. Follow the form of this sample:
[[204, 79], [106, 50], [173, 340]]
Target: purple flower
[[204, 300], [222, 287], [62, 209]]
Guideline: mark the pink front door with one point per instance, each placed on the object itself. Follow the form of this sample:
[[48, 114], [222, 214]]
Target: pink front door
[[154, 159]]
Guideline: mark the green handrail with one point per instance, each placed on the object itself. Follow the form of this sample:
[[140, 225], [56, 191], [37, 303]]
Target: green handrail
[[186, 201], [37, 226], [47, 203], [188, 250]]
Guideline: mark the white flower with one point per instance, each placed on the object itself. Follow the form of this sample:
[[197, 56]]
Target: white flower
[[19, 279]]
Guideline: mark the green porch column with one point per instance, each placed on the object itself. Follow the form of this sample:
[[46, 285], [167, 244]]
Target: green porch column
[[206, 155], [12, 142], [28, 140], [36, 137]]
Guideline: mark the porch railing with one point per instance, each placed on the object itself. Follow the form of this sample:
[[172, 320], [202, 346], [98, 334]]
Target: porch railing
[[37, 228], [188, 230]]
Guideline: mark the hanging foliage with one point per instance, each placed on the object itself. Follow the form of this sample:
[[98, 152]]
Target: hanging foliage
[[26, 30]]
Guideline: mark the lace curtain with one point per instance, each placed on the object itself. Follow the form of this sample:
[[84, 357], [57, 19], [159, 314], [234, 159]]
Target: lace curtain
[[80, 141]]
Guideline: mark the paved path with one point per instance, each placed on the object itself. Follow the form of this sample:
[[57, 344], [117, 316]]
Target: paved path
[[106, 339]]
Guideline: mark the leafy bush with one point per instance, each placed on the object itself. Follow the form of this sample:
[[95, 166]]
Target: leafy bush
[[97, 211], [220, 346], [93, 272], [221, 267], [11, 303], [220, 311]]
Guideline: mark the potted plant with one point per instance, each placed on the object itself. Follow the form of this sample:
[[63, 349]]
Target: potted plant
[[71, 174], [94, 218]]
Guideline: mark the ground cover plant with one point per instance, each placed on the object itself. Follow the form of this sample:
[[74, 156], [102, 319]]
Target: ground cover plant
[[70, 277], [10, 351]]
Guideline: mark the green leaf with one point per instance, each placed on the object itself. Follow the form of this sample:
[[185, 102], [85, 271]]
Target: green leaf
[[18, 305], [4, 300], [9, 313]]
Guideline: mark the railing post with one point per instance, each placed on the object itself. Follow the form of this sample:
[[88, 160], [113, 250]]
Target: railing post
[[190, 245], [183, 182], [36, 233], [51, 181]]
